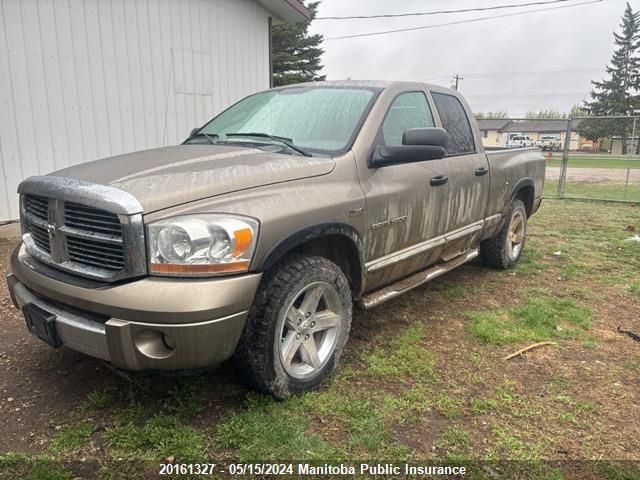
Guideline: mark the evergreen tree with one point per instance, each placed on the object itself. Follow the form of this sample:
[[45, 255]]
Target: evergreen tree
[[618, 95], [296, 54]]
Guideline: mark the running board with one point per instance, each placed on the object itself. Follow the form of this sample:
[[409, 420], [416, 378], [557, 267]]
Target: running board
[[414, 280]]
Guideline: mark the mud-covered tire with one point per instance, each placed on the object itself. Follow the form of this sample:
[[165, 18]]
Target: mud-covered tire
[[276, 322], [500, 251]]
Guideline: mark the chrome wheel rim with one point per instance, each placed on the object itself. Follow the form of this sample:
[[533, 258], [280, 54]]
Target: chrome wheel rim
[[515, 235], [309, 330]]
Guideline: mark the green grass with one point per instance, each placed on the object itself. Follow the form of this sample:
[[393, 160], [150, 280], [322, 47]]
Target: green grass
[[98, 400], [619, 471], [448, 406], [594, 191], [594, 162], [453, 440], [270, 430], [539, 319], [25, 467], [72, 437], [635, 288], [159, 437], [405, 357]]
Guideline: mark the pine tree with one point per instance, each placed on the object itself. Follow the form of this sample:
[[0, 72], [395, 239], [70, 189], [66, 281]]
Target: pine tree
[[296, 54], [618, 95]]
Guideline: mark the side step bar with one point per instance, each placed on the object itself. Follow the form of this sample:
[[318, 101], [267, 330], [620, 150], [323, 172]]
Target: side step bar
[[414, 280]]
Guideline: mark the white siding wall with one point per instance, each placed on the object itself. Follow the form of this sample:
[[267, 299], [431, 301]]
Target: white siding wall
[[81, 80]]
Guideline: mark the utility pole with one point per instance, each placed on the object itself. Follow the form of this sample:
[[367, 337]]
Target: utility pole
[[456, 79]]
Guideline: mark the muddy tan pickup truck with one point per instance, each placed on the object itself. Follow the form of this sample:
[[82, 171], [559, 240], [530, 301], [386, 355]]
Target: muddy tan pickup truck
[[256, 237]]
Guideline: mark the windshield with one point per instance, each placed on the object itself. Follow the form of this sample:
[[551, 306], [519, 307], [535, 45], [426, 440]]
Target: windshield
[[324, 119]]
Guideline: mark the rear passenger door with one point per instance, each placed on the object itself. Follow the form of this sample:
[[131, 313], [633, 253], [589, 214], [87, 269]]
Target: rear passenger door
[[468, 176]]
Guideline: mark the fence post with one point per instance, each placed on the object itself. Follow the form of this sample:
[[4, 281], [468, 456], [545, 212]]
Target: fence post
[[634, 147], [565, 159]]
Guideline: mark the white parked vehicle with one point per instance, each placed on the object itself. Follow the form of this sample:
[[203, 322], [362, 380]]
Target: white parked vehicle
[[549, 142], [520, 141]]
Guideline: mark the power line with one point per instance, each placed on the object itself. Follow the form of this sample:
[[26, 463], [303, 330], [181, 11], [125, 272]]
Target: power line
[[442, 12], [538, 72], [510, 74], [527, 96], [479, 19]]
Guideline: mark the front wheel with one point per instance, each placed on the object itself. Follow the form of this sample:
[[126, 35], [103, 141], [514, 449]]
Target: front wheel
[[297, 327], [505, 249]]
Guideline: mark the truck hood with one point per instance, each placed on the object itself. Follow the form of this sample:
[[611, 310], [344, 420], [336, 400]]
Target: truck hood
[[164, 177]]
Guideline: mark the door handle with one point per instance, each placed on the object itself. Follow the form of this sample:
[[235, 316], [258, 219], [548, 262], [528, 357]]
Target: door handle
[[481, 171], [439, 180]]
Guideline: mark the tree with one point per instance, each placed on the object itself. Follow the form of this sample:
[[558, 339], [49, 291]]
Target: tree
[[545, 114], [498, 114], [617, 95], [296, 54]]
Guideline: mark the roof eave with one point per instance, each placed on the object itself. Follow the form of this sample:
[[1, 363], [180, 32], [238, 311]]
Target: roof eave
[[286, 11]]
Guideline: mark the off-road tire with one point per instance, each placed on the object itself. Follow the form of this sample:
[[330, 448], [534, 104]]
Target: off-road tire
[[257, 358], [495, 251]]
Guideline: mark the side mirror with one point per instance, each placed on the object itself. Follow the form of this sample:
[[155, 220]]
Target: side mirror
[[425, 136], [194, 131], [418, 145]]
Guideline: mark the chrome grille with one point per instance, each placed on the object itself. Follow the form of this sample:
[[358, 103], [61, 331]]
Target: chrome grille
[[37, 206], [92, 219], [97, 254], [91, 230], [40, 237]]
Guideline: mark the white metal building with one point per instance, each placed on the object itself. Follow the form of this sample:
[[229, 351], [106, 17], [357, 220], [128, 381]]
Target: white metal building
[[85, 79]]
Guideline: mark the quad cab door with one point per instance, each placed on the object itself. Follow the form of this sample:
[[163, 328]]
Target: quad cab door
[[468, 177], [406, 203]]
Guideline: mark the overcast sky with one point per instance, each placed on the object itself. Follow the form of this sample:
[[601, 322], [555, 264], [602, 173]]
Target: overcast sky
[[492, 55]]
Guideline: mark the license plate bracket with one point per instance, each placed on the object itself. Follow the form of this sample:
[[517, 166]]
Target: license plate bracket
[[42, 324]]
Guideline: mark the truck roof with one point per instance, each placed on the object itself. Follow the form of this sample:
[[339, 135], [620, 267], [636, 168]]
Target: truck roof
[[372, 84]]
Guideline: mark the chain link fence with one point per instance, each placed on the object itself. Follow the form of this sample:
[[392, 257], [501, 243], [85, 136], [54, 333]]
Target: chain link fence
[[587, 157]]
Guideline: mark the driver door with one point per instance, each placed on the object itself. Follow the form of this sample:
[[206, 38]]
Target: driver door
[[406, 203]]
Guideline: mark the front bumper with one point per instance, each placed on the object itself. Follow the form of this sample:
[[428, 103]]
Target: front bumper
[[151, 323]]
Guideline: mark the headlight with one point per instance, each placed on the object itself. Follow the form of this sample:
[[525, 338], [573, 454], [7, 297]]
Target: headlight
[[201, 245]]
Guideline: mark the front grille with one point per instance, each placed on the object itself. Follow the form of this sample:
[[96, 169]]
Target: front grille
[[75, 237], [86, 229], [92, 219], [40, 237], [96, 254], [37, 206]]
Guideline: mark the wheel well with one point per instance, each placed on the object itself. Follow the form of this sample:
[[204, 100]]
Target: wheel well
[[341, 251], [526, 194]]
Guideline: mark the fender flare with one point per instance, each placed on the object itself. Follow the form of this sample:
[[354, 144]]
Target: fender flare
[[315, 231], [523, 182]]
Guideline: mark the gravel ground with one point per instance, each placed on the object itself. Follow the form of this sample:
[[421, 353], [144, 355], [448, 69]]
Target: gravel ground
[[595, 175]]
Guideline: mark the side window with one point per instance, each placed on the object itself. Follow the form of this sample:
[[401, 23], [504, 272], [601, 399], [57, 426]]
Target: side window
[[456, 123], [408, 110]]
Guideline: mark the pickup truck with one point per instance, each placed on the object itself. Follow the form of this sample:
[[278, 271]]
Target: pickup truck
[[520, 141], [256, 237], [549, 142]]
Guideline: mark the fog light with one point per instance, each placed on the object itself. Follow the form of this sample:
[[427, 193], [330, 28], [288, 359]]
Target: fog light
[[154, 344], [169, 342]]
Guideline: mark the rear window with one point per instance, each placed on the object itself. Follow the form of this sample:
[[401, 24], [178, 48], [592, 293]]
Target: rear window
[[456, 123]]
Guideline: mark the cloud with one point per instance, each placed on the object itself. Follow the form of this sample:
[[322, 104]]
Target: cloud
[[577, 41]]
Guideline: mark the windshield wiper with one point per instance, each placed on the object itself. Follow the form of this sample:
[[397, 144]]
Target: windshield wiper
[[286, 141], [209, 137]]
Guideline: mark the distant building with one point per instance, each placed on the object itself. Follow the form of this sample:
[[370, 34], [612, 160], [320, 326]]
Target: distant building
[[497, 132]]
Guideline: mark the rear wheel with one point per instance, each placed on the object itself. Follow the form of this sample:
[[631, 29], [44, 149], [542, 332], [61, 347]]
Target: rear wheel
[[297, 327], [505, 249]]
